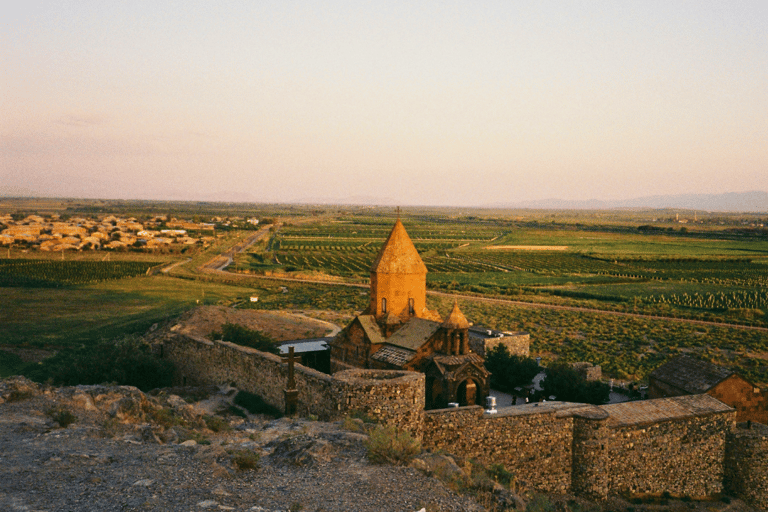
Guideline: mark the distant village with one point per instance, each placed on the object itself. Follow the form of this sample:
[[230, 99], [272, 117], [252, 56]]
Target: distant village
[[54, 233]]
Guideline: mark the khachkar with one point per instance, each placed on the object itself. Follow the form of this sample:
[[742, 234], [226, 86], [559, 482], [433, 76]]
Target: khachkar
[[291, 393]]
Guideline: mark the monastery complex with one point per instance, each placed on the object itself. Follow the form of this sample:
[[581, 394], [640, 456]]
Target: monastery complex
[[402, 364]]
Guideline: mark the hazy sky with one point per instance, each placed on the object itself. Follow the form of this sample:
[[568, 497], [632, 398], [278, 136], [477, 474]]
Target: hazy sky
[[464, 103]]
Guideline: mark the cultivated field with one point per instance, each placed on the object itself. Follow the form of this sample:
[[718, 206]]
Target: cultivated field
[[713, 270]]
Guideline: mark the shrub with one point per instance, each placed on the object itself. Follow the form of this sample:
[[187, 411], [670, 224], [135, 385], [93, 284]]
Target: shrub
[[256, 405], [568, 385], [539, 503], [216, 423], [18, 395], [245, 460], [501, 474], [386, 444], [509, 371], [61, 416], [167, 418]]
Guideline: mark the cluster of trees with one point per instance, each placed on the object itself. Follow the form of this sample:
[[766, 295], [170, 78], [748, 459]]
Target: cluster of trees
[[509, 371], [126, 362], [562, 381], [568, 385]]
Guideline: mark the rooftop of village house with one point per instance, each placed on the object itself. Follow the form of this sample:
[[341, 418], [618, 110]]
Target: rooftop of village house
[[54, 233]]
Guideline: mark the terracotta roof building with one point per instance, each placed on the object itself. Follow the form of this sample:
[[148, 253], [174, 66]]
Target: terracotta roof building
[[687, 375]]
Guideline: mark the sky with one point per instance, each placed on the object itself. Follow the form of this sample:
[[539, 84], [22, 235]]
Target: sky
[[413, 103]]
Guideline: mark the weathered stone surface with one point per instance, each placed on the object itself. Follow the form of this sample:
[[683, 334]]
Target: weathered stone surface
[[675, 445]]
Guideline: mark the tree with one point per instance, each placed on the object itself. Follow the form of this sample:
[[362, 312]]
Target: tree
[[509, 371], [568, 385]]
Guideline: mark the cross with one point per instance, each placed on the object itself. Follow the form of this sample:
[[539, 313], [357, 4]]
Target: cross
[[290, 391], [291, 359]]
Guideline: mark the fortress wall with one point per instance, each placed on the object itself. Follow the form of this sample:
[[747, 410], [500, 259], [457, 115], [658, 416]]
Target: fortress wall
[[517, 344], [590, 458], [746, 464], [683, 456], [534, 444], [556, 447], [390, 396], [201, 361]]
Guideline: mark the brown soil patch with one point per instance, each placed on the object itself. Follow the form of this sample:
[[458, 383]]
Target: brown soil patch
[[527, 247], [278, 325]]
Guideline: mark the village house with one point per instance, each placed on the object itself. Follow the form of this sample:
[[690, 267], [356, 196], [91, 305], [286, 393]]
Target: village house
[[686, 375]]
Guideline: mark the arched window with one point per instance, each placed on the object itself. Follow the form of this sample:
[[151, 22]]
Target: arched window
[[411, 307], [383, 305]]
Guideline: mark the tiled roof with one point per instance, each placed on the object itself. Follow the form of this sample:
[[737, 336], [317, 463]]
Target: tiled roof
[[457, 360], [414, 333], [456, 320], [371, 328], [662, 409], [398, 255], [690, 374], [393, 355]]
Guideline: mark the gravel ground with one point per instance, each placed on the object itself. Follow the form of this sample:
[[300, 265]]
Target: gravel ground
[[111, 458], [178, 450]]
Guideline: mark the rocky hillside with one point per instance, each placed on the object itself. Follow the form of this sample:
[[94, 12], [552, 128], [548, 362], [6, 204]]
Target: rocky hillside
[[105, 448]]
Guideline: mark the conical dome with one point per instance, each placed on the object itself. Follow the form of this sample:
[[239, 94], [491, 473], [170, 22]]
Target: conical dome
[[456, 320], [398, 255]]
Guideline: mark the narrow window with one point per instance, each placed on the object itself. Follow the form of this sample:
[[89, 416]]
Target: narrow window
[[411, 307], [384, 305]]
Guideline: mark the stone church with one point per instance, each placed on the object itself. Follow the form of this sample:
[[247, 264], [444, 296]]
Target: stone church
[[398, 332]]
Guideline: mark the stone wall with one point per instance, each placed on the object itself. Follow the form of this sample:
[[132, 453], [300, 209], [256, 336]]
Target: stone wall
[[533, 441], [674, 445], [391, 397], [681, 445], [746, 464], [518, 344], [682, 457], [201, 361]]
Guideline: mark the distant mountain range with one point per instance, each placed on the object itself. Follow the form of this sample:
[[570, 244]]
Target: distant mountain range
[[748, 202], [753, 202]]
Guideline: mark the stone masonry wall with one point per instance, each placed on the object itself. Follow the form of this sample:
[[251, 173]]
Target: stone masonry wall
[[392, 397], [533, 443], [553, 446], [683, 457], [746, 464], [201, 361], [517, 344]]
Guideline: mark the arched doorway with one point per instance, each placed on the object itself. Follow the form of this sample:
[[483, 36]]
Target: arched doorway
[[466, 393]]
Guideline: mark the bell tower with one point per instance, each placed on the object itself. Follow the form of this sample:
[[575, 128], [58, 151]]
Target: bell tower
[[398, 278]]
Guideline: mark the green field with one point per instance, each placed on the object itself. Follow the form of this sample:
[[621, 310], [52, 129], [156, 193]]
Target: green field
[[703, 273], [716, 271]]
